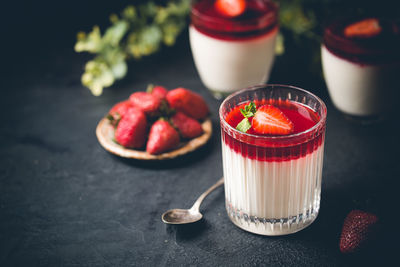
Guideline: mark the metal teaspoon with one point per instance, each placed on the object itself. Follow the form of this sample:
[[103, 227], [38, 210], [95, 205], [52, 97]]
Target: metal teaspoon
[[183, 216]]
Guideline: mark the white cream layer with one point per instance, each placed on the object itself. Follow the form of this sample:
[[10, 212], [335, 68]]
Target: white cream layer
[[273, 190], [226, 66], [357, 89]]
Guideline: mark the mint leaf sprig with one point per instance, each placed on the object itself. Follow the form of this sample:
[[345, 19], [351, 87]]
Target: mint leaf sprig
[[138, 31], [248, 111]]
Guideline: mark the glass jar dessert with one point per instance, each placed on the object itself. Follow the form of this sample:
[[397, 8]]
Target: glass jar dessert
[[273, 180], [233, 51], [361, 62]]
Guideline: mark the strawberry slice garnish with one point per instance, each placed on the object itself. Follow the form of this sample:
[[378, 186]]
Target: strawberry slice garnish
[[271, 120], [230, 8], [364, 29]]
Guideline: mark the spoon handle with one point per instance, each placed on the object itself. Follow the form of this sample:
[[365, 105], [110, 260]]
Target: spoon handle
[[196, 205]]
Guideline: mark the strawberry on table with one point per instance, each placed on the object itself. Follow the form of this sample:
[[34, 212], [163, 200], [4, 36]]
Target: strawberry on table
[[230, 8], [188, 102], [146, 102], [271, 120], [187, 127], [364, 29], [358, 227], [118, 111], [131, 130], [162, 137]]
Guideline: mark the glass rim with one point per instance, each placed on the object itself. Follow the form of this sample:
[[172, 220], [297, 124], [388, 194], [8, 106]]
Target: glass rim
[[321, 121]]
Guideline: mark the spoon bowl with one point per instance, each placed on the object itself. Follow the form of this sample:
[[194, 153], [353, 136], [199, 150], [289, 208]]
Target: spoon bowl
[[183, 216]]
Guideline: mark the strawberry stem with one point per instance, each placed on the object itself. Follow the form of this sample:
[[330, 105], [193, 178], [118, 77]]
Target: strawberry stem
[[150, 88]]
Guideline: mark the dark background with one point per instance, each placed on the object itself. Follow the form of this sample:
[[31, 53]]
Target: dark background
[[64, 201]]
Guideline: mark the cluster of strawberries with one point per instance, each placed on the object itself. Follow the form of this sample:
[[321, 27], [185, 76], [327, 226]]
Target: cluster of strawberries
[[158, 118]]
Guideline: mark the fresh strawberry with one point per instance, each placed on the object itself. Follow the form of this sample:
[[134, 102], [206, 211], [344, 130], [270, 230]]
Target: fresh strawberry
[[188, 102], [230, 8], [118, 111], [271, 120], [365, 28], [187, 127], [235, 116], [131, 130], [162, 137], [159, 91], [146, 102], [358, 227]]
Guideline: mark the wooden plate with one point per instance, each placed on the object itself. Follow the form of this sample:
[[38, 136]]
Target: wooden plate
[[105, 135]]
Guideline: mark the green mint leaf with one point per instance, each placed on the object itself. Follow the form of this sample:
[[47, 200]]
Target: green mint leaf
[[249, 110], [244, 125]]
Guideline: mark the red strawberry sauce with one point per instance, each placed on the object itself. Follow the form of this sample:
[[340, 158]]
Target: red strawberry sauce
[[259, 18], [383, 48], [301, 142]]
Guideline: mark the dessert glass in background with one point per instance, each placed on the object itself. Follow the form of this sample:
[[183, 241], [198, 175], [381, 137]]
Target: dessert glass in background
[[273, 183], [231, 53], [361, 65]]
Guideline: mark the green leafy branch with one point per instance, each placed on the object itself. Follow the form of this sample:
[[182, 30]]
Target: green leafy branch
[[297, 19], [136, 32]]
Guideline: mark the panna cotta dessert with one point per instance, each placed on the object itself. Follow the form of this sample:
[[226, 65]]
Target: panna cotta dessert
[[233, 42], [272, 150], [361, 64]]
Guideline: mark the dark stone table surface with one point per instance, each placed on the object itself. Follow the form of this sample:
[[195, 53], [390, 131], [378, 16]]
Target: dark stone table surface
[[65, 201]]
